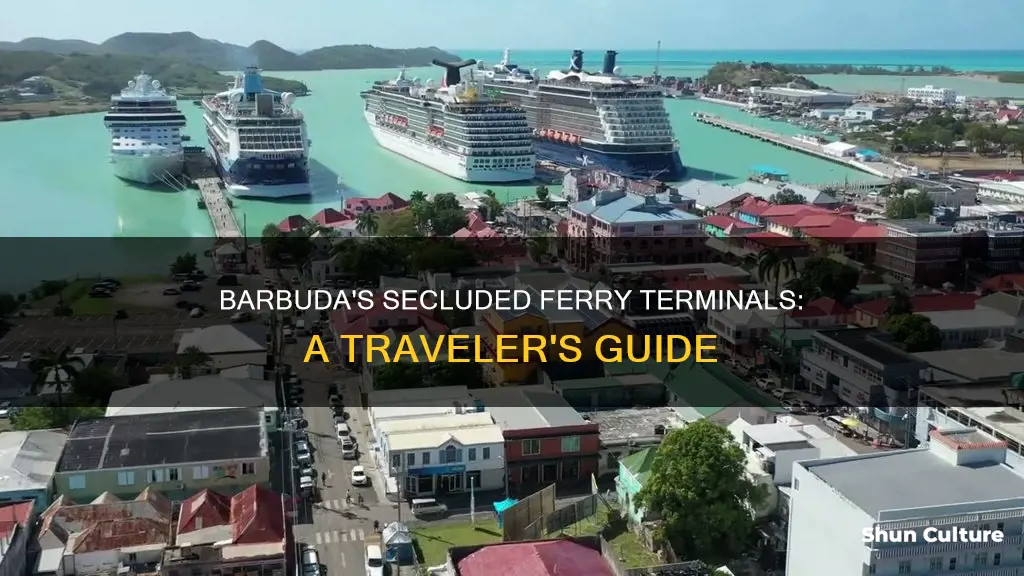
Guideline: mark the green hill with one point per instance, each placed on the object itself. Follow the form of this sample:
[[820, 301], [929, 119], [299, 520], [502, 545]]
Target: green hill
[[217, 55], [100, 75], [743, 75]]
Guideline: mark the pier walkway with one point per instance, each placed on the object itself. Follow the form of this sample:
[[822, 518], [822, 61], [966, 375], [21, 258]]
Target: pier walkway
[[880, 169], [218, 207]]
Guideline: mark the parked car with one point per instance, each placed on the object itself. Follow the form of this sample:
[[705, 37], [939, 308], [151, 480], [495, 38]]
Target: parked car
[[359, 477], [302, 454], [342, 429], [427, 507], [780, 393], [268, 283], [100, 293], [374, 560], [349, 451], [310, 561], [6, 410], [196, 312], [241, 317], [307, 483], [307, 470], [764, 384], [26, 357], [172, 292]]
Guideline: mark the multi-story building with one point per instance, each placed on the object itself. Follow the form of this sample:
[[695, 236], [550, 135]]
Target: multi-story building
[[177, 453], [546, 439], [443, 454], [997, 240], [27, 462], [378, 319], [908, 498], [862, 369], [920, 253], [967, 328], [932, 95], [739, 331], [616, 226]]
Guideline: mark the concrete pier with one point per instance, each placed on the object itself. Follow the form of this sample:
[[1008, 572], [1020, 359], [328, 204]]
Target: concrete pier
[[218, 207], [880, 169]]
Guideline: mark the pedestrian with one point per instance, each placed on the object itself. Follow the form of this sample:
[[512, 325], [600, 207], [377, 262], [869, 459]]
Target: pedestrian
[[323, 478]]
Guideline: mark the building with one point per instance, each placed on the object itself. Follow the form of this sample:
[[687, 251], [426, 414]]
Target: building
[[546, 439], [709, 195], [919, 252], [967, 328], [27, 463], [812, 197], [823, 312], [959, 480], [840, 149], [16, 380], [1010, 192], [871, 314], [708, 391], [807, 98], [634, 470], [16, 523], [722, 226], [386, 202], [997, 240], [215, 391], [378, 319], [740, 330], [228, 345], [932, 95], [862, 113], [1011, 304], [443, 454], [628, 430], [108, 535], [616, 226], [178, 453], [860, 368], [218, 534], [560, 557]]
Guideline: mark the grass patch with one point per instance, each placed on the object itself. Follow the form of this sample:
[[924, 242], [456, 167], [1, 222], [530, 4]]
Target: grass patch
[[626, 545], [433, 540]]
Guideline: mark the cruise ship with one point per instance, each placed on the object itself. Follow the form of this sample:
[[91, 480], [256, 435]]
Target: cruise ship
[[145, 133], [258, 139], [453, 128], [602, 120]]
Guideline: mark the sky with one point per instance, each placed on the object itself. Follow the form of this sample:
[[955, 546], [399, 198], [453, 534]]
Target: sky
[[541, 24]]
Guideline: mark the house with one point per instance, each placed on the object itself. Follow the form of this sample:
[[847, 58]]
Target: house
[[580, 556], [377, 320], [386, 202], [108, 534], [634, 471], [443, 454], [709, 391], [1003, 283], [27, 463], [219, 534], [710, 196], [178, 453], [228, 345], [546, 439], [810, 196], [739, 330], [862, 112], [625, 431], [17, 520], [293, 224], [1011, 304], [823, 312], [968, 328], [214, 392], [16, 380], [1008, 115], [872, 313], [721, 226]]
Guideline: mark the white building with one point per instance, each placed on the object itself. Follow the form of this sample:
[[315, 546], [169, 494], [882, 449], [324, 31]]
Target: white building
[[965, 328], [740, 329], [862, 112], [443, 454], [801, 97], [1012, 192], [932, 95], [840, 150], [959, 481]]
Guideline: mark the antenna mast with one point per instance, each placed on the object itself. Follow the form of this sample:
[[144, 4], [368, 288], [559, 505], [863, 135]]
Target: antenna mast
[[657, 62]]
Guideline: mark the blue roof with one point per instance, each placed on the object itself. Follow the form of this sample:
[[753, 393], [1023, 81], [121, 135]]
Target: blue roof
[[768, 170], [631, 209], [865, 152]]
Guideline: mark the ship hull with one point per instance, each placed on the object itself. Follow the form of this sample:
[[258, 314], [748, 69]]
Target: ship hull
[[445, 162], [250, 177], [666, 166], [148, 169]]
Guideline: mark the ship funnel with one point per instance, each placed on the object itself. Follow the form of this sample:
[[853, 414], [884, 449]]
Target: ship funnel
[[609, 62], [576, 64], [453, 74], [252, 83]]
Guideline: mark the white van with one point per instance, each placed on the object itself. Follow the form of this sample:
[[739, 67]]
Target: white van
[[836, 423], [425, 507], [343, 430]]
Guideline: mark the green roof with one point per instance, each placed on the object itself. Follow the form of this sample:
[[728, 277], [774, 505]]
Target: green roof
[[708, 388], [639, 464]]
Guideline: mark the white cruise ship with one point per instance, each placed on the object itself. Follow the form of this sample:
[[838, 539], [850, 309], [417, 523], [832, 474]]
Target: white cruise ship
[[453, 129], [258, 140], [145, 133]]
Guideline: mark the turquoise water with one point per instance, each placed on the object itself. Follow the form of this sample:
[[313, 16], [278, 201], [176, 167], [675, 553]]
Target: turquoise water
[[55, 179]]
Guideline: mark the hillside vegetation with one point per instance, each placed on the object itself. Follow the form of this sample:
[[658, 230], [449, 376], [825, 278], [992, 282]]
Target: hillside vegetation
[[217, 55], [100, 75], [743, 75]]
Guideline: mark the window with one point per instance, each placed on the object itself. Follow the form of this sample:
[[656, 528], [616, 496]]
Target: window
[[570, 444], [425, 458], [871, 569], [76, 482], [472, 454], [200, 472], [531, 447], [935, 563], [156, 475], [796, 483], [904, 567], [410, 459], [125, 478], [999, 526], [952, 564], [396, 461], [981, 559], [247, 468], [450, 455], [996, 559], [486, 454]]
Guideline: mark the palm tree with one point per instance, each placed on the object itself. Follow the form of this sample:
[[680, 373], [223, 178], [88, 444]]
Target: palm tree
[[542, 194], [417, 196], [774, 263], [192, 357], [62, 365], [366, 224]]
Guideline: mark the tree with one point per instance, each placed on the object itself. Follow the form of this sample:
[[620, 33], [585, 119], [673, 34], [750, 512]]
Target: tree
[[366, 224], [191, 358], [272, 241], [95, 385], [417, 196], [49, 417], [899, 304], [61, 365], [786, 196], [914, 333], [492, 208], [468, 374], [539, 247], [978, 137], [944, 138], [700, 487], [824, 277], [908, 206], [773, 263], [9, 304], [543, 194], [184, 264], [398, 224], [399, 376], [447, 221]]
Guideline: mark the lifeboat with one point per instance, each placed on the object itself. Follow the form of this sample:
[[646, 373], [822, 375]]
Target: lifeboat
[[566, 137], [575, 139], [556, 135], [543, 133]]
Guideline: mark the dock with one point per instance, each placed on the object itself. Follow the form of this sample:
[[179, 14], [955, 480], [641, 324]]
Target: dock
[[880, 169], [201, 173]]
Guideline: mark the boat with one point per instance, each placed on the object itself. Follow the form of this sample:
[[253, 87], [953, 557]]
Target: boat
[[258, 140], [453, 128], [145, 133], [609, 121]]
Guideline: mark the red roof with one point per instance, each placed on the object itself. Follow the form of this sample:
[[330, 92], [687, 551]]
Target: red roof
[[704, 285], [754, 206], [820, 308], [257, 516], [14, 514], [773, 240], [356, 321], [330, 217], [1003, 282], [723, 222], [204, 510], [776, 210], [1007, 114], [545, 558], [293, 223], [386, 201], [843, 229], [923, 303]]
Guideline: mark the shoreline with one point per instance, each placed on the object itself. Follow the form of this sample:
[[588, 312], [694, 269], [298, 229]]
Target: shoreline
[[34, 110]]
